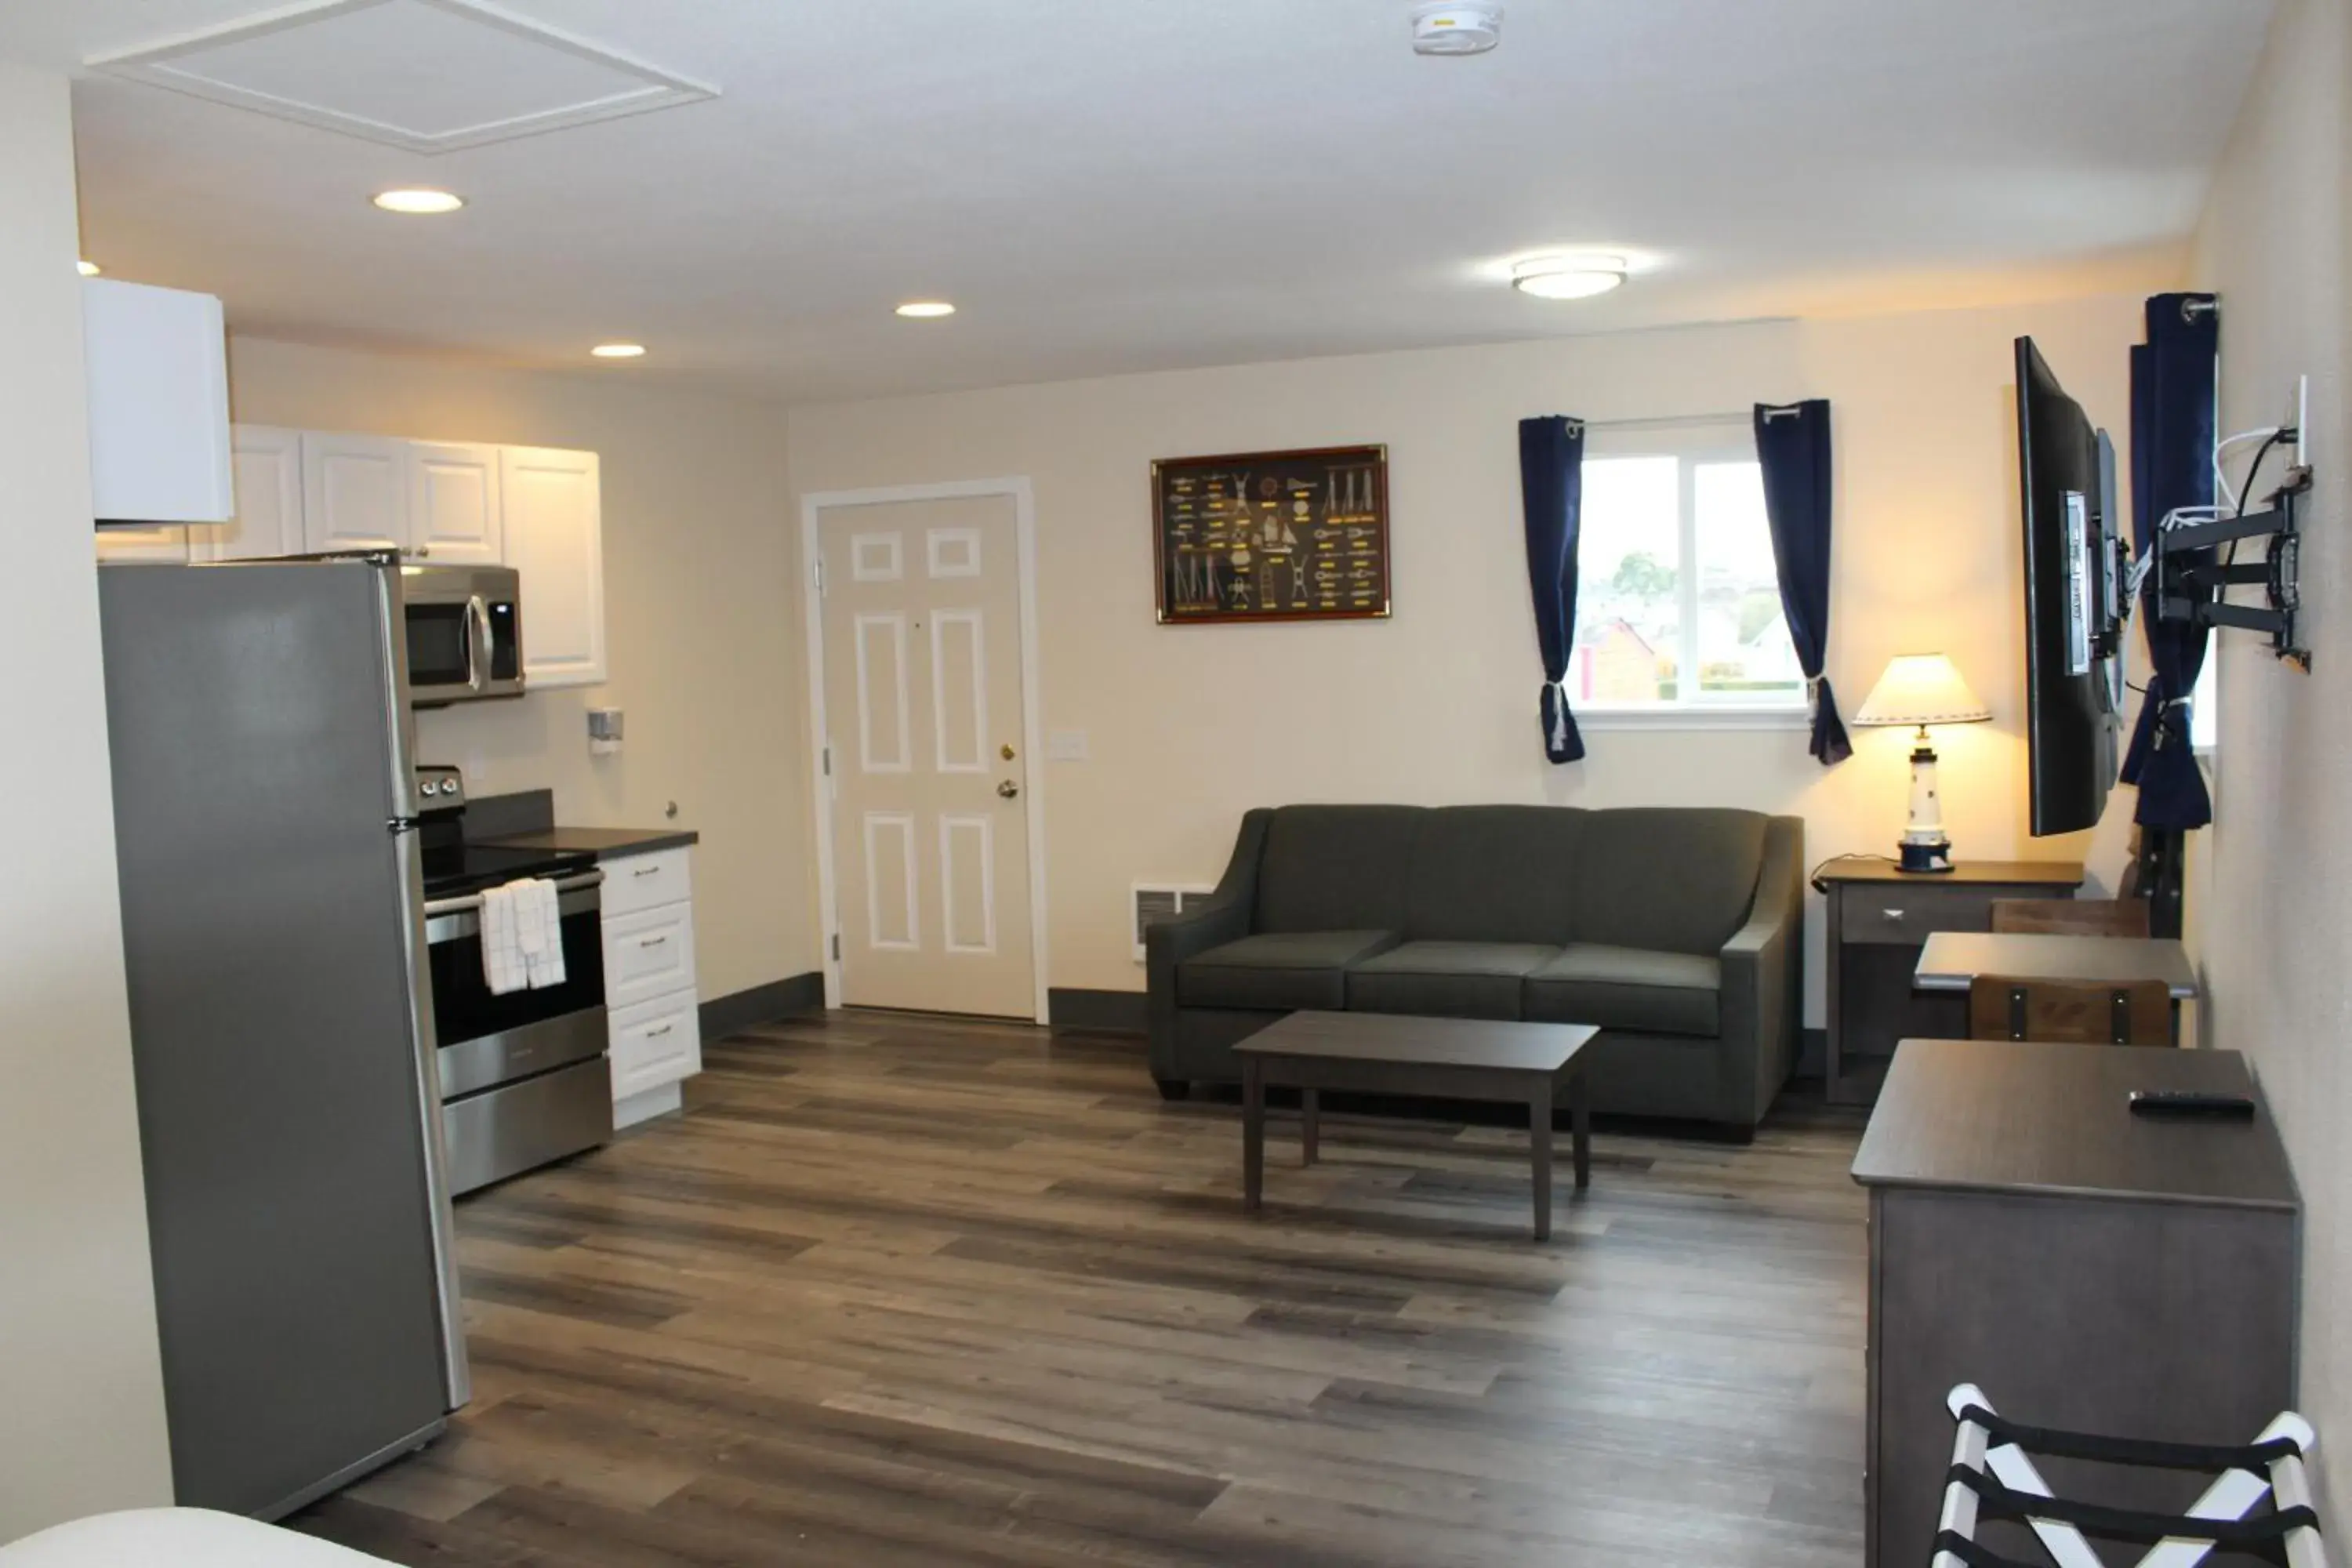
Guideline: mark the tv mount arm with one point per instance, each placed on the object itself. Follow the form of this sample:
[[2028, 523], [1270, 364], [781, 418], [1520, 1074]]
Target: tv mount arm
[[2184, 592]]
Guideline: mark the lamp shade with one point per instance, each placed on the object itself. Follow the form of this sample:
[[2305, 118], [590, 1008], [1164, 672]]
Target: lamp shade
[[1921, 689]]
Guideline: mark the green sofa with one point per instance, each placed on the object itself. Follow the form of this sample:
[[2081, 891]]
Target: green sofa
[[1678, 931]]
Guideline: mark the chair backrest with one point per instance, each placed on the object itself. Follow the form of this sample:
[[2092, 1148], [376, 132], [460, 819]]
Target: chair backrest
[[2067, 1012], [2070, 917]]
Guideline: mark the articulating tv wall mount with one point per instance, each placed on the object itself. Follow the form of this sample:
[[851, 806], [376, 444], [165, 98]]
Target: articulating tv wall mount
[[2186, 589]]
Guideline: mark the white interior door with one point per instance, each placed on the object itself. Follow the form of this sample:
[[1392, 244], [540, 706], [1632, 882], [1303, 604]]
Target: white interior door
[[923, 696]]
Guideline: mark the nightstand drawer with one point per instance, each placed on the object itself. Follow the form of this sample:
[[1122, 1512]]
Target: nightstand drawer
[[1906, 916]]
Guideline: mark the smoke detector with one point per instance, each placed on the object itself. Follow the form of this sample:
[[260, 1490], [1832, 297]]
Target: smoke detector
[[1456, 30]]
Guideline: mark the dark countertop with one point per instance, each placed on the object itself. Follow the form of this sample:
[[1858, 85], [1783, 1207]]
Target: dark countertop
[[2010, 1117], [604, 843]]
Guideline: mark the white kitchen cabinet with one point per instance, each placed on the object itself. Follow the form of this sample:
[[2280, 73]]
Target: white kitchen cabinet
[[134, 546], [157, 364], [650, 987], [554, 538], [354, 491], [268, 520], [454, 513]]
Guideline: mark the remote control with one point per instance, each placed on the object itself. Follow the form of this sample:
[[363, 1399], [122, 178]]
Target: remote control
[[2186, 1102]]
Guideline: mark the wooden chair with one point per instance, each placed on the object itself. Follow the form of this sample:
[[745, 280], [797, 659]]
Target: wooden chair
[[2070, 917], [2067, 1012]]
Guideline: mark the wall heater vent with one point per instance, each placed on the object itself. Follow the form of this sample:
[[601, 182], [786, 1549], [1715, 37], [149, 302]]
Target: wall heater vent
[[1157, 902]]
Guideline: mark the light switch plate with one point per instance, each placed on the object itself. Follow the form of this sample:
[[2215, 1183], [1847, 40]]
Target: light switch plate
[[1066, 745]]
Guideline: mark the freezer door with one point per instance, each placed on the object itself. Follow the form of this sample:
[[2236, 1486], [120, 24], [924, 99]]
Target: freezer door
[[272, 930]]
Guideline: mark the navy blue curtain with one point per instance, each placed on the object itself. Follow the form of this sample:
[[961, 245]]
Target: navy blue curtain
[[2173, 390], [1551, 489], [1793, 445]]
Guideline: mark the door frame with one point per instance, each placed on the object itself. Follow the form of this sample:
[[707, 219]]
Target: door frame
[[1025, 514]]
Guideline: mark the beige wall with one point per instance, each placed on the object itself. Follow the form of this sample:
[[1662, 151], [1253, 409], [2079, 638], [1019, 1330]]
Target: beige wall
[[81, 1390], [2271, 914], [1188, 726], [700, 606]]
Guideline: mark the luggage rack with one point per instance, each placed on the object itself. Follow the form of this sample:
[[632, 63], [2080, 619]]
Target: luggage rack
[[1993, 1476]]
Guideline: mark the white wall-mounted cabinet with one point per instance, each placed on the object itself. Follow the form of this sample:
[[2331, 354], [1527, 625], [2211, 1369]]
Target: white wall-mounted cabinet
[[454, 514], [143, 547], [157, 361], [354, 492], [555, 538], [268, 520]]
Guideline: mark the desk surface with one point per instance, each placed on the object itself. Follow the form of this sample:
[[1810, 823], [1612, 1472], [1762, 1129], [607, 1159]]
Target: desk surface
[[2006, 873], [2004, 1116], [1952, 959]]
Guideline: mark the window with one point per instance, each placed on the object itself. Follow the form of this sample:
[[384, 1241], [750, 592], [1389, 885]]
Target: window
[[1677, 603]]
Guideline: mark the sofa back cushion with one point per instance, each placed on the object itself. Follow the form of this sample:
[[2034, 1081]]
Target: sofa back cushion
[[1336, 868], [1668, 878], [1494, 873]]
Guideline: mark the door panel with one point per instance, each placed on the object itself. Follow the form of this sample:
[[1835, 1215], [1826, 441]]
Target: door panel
[[923, 700], [268, 521], [553, 505], [452, 494], [354, 492]]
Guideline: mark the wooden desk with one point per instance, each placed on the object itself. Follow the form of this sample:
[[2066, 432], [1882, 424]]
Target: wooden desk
[[1951, 960], [2088, 1268], [1878, 919]]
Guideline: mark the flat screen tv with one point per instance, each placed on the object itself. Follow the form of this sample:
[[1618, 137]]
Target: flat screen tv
[[2077, 598]]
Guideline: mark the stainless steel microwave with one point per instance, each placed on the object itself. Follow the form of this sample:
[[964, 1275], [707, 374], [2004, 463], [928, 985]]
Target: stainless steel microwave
[[465, 633]]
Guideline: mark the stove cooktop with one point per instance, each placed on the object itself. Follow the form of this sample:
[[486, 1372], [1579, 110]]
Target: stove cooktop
[[454, 870]]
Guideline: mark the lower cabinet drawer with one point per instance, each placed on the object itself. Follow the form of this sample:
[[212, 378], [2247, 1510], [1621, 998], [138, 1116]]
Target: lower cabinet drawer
[[1907, 916], [654, 1043], [648, 955]]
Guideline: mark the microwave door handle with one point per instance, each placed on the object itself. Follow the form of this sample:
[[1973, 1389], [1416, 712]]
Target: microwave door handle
[[477, 632]]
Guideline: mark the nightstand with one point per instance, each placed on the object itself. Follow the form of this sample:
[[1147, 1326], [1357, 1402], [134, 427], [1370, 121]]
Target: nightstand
[[1879, 918]]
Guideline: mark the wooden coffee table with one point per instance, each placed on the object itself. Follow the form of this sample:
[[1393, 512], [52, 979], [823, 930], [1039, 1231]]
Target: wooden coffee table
[[1386, 1053]]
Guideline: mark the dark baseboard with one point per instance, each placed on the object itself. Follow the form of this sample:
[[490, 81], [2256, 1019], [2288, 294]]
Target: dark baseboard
[[1098, 1012], [1812, 1054], [792, 998]]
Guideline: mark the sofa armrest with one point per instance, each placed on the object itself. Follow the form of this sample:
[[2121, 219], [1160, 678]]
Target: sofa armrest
[[1222, 917], [1763, 973]]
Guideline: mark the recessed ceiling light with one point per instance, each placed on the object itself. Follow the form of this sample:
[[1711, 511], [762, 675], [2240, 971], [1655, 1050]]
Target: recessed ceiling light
[[619, 351], [88, 268], [1569, 276], [417, 200], [925, 310]]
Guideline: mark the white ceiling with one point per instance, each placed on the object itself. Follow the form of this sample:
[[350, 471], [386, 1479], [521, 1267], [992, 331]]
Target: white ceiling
[[1127, 184]]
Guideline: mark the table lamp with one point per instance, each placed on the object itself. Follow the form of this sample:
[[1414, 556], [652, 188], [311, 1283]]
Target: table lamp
[[1923, 689]]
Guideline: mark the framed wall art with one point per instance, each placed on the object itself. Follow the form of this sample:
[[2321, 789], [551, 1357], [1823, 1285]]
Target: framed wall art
[[1272, 536]]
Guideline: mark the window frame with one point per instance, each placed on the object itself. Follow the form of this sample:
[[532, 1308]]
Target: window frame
[[1692, 448]]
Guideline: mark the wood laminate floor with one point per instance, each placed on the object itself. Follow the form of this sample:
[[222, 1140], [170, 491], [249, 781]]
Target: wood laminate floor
[[899, 1292]]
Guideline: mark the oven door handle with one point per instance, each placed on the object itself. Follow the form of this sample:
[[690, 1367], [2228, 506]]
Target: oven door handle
[[476, 631], [471, 902]]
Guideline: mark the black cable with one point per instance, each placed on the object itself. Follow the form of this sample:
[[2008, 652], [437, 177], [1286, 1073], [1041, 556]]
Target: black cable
[[2246, 493]]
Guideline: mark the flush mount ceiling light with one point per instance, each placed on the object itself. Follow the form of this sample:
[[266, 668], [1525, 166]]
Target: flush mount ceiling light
[[88, 268], [1456, 30], [1568, 277], [926, 309], [619, 351], [418, 201]]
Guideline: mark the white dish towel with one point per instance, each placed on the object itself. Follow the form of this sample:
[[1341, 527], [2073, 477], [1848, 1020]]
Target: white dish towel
[[522, 937]]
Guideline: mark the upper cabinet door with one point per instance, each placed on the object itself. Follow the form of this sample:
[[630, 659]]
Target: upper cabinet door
[[268, 520], [354, 492], [454, 517], [119, 546], [554, 539], [158, 385]]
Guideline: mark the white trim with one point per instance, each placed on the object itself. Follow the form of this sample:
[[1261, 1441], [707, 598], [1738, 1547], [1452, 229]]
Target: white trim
[[1024, 515], [905, 823], [935, 558], [948, 823], [891, 571], [1695, 716], [940, 620]]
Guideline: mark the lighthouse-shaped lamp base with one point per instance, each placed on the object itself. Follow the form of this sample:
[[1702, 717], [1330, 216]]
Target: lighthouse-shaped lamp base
[[1925, 845]]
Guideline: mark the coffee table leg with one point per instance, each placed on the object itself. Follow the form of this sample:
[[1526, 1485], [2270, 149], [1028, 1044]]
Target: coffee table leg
[[1579, 1112], [1253, 1133], [1310, 1124], [1539, 1145]]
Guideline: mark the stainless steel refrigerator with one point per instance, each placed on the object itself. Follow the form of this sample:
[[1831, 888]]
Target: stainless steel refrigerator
[[273, 920]]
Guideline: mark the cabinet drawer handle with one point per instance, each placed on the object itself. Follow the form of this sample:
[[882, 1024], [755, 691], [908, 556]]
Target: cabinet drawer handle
[[657, 1033], [646, 871], [653, 941], [1894, 914]]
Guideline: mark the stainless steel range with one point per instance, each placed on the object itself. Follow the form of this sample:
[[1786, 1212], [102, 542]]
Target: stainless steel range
[[523, 1076]]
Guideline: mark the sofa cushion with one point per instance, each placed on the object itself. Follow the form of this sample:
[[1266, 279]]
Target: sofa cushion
[[1288, 970], [1628, 988], [1668, 879], [1336, 868], [1446, 979], [1494, 873]]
